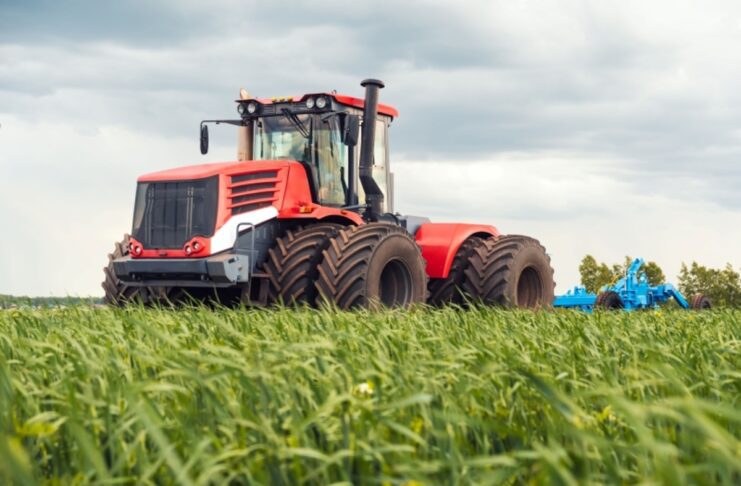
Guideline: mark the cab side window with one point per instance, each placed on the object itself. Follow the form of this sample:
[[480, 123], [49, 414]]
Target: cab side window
[[380, 165], [331, 164]]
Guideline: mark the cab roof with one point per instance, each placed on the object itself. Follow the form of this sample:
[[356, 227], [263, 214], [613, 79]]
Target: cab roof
[[339, 98]]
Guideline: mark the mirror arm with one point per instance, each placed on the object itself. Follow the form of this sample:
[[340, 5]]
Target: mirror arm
[[204, 131], [239, 123]]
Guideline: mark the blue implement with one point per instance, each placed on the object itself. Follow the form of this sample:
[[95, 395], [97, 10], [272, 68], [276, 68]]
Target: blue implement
[[633, 290]]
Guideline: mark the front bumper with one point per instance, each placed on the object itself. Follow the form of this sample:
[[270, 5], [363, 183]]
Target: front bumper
[[223, 270]]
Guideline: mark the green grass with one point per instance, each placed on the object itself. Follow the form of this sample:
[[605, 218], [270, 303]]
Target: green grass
[[197, 396]]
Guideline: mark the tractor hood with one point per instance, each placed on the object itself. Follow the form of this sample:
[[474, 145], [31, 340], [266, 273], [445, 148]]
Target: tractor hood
[[242, 186], [202, 171], [209, 203]]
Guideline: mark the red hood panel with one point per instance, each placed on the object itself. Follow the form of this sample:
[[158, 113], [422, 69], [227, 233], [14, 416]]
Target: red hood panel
[[207, 170]]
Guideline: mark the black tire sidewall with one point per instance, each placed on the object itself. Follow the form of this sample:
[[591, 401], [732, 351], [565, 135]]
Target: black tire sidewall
[[531, 256], [401, 248], [609, 300], [700, 302]]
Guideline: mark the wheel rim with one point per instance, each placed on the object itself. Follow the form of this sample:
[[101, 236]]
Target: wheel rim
[[395, 285], [529, 288]]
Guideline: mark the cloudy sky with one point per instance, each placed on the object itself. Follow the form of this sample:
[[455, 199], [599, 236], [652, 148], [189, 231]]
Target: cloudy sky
[[608, 128]]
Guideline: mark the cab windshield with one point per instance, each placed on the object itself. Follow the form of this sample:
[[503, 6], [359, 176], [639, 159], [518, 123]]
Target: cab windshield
[[314, 141]]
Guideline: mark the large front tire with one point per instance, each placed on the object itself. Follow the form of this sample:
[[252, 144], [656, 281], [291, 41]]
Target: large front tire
[[510, 271], [373, 265], [292, 264]]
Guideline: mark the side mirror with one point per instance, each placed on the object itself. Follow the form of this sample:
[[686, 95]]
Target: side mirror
[[204, 139], [351, 130]]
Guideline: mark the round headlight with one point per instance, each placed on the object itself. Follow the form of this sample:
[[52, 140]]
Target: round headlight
[[321, 102], [252, 107], [310, 103], [241, 108]]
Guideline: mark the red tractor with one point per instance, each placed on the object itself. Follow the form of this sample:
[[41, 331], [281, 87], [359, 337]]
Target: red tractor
[[306, 215]]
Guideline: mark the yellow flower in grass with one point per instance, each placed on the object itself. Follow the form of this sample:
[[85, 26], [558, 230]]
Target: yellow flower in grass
[[417, 425], [364, 389], [606, 414]]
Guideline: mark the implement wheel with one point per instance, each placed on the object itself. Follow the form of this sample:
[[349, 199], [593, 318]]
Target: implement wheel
[[372, 265], [510, 271], [292, 263], [608, 300], [700, 302], [450, 290], [118, 292]]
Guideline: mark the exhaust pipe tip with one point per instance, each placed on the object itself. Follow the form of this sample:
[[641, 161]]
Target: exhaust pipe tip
[[373, 82]]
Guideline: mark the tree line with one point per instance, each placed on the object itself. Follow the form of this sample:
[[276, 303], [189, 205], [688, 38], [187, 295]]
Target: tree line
[[11, 301], [721, 285]]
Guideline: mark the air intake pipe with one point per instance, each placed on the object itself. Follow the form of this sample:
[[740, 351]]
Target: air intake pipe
[[373, 193]]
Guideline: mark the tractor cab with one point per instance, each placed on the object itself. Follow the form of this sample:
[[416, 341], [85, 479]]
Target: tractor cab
[[320, 131]]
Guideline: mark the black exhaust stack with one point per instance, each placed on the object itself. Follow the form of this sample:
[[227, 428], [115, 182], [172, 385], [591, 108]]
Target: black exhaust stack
[[373, 193]]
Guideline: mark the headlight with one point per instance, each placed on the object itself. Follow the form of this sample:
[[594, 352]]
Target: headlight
[[310, 103], [252, 107], [241, 108], [321, 102]]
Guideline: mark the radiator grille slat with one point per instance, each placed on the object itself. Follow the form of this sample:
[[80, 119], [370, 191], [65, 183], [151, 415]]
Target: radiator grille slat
[[253, 190]]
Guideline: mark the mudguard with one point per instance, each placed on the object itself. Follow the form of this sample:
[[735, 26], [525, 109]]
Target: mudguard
[[441, 241]]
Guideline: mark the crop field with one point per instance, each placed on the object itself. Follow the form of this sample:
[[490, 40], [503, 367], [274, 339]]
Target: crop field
[[480, 396]]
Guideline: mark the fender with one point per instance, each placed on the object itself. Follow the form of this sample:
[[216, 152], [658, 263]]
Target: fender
[[441, 241]]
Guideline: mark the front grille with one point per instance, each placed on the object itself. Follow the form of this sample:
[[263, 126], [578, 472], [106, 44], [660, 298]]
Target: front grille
[[169, 214], [251, 191]]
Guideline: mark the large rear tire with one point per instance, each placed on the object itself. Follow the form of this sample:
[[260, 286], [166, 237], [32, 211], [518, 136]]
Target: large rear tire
[[292, 263], [450, 290], [373, 265], [510, 271], [119, 293]]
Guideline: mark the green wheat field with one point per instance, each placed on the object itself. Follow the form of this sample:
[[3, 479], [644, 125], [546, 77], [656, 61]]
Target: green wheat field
[[450, 396]]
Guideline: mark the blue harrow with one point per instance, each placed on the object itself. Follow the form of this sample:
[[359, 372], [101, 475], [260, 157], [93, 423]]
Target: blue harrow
[[629, 293]]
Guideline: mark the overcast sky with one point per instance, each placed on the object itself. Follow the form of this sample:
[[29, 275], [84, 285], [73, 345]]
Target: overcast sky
[[610, 128]]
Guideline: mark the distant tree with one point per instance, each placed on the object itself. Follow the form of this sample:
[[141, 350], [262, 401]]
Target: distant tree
[[722, 286], [596, 275], [8, 301], [619, 270]]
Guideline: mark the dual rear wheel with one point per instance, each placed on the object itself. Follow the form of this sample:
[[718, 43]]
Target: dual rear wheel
[[380, 264], [511, 271]]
